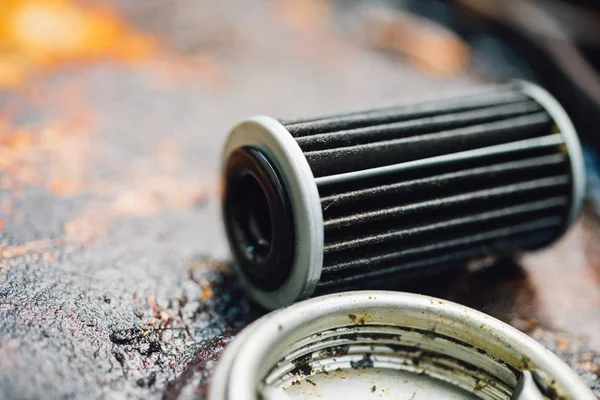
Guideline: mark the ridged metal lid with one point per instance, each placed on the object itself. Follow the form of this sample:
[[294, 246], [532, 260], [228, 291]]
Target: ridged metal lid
[[379, 344]]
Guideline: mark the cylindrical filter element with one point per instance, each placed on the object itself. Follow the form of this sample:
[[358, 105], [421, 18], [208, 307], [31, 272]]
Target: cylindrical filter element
[[331, 203]]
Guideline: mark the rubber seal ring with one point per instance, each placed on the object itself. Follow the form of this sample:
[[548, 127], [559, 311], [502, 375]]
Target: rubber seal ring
[[258, 219]]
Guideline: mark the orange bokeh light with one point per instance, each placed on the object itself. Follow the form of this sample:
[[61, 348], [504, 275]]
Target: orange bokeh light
[[38, 34]]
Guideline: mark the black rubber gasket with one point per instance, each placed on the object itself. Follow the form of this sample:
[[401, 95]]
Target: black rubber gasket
[[258, 219]]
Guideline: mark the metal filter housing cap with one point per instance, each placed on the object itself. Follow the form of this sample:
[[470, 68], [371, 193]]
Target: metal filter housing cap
[[380, 344]]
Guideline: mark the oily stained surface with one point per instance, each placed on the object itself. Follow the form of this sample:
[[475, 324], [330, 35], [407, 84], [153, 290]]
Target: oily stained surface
[[113, 263]]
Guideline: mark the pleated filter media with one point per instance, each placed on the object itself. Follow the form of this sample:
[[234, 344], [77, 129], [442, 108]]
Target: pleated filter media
[[338, 202]]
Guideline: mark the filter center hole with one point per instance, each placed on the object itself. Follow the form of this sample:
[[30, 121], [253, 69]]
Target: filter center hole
[[258, 219], [254, 219]]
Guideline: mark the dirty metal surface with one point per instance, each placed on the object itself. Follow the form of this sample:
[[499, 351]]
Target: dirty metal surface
[[113, 264]]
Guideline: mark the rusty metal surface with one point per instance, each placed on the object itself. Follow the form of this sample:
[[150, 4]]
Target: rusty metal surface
[[113, 270]]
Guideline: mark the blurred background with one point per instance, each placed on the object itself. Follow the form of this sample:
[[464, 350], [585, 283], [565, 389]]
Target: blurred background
[[113, 263]]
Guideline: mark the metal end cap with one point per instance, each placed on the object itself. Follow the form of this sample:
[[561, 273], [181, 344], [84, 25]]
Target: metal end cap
[[272, 213], [572, 144]]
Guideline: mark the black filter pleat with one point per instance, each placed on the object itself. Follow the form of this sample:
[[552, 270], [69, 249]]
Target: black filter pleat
[[448, 182], [352, 158], [462, 201], [393, 207], [487, 218], [466, 247], [426, 267], [414, 127], [360, 119]]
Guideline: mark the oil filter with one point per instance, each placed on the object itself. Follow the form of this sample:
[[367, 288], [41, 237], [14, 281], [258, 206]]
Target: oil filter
[[378, 344], [332, 203]]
